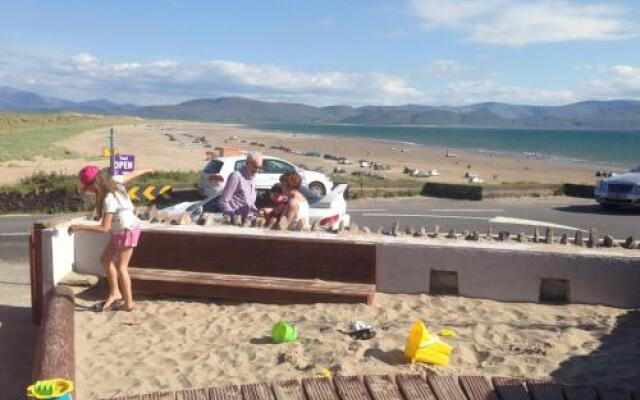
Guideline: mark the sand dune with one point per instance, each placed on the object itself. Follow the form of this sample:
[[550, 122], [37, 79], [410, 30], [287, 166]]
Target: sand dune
[[178, 343]]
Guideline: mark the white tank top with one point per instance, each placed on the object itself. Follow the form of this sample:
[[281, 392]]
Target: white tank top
[[303, 213]]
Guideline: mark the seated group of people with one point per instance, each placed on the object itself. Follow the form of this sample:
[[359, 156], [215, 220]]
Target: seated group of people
[[284, 199]]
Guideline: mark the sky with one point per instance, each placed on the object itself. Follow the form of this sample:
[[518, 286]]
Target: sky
[[324, 52]]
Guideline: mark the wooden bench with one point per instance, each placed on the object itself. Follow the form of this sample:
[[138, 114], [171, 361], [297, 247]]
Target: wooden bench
[[254, 268]]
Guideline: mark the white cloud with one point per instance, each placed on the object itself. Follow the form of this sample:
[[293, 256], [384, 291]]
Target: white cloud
[[475, 91], [614, 82], [444, 67], [518, 23], [85, 76], [451, 13]]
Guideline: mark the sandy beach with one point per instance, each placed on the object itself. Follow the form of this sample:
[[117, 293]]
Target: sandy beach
[[151, 145], [171, 344]]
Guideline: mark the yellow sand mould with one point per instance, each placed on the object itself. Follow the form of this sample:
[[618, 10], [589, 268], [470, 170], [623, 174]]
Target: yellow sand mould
[[423, 347]]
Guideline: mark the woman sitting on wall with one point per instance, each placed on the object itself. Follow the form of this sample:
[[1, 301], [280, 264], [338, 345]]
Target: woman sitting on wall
[[297, 208]]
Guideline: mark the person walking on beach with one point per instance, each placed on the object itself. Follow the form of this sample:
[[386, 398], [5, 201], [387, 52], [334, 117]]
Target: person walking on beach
[[239, 194], [115, 209], [297, 208]]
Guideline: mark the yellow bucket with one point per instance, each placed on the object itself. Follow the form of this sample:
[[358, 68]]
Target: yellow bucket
[[430, 356], [417, 336]]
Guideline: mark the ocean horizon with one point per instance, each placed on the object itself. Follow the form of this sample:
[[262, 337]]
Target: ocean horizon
[[617, 148]]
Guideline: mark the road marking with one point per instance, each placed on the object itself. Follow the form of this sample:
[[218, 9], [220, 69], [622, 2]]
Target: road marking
[[478, 210], [365, 210], [15, 234], [520, 221], [427, 216]]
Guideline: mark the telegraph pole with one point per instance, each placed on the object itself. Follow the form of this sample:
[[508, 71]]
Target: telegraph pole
[[112, 155]]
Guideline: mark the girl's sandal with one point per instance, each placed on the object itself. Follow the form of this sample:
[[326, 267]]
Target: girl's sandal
[[100, 307]]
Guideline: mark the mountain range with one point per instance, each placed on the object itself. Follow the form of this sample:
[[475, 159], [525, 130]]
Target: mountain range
[[613, 114]]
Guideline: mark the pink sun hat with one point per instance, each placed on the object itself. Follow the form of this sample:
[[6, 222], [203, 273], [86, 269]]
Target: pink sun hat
[[87, 175]]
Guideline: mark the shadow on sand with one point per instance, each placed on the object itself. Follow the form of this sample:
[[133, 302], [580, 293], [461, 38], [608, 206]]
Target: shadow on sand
[[17, 343], [613, 363]]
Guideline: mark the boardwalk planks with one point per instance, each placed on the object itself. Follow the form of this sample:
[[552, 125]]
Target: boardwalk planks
[[613, 394], [478, 388], [415, 387], [319, 389], [580, 393], [225, 393], [192, 394], [446, 387], [544, 390], [288, 390], [159, 396], [382, 387], [510, 388], [351, 388], [257, 391]]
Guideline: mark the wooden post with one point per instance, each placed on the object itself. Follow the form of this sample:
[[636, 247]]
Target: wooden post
[[54, 351], [35, 261]]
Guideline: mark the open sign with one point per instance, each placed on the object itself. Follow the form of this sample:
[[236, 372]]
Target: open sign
[[123, 164]]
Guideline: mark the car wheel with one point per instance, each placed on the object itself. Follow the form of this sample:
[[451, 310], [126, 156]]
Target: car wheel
[[318, 188]]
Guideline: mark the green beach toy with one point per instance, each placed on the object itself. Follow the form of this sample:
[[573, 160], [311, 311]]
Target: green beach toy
[[284, 332], [51, 389]]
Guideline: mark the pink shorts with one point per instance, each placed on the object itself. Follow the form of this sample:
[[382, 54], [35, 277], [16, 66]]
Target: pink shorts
[[127, 237]]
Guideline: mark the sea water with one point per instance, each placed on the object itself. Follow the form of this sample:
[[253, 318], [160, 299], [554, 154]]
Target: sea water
[[614, 147]]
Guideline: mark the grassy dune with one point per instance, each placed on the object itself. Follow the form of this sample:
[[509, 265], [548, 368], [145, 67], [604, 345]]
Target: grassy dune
[[25, 136]]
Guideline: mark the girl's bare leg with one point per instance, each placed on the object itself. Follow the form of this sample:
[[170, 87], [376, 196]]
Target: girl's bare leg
[[111, 273], [123, 273]]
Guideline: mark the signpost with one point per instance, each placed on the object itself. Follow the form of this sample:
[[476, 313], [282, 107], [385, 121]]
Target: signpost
[[123, 164], [112, 153]]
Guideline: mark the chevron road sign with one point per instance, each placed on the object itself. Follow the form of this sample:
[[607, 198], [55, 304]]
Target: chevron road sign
[[149, 192]]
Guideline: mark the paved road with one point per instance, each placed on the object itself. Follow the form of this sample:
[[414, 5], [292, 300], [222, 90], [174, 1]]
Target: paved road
[[500, 214]]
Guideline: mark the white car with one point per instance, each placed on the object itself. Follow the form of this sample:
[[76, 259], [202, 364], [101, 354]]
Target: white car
[[214, 175], [620, 190], [330, 210]]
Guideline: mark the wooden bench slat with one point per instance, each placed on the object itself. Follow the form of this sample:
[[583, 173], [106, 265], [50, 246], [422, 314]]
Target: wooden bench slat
[[247, 287], [192, 394], [544, 390], [574, 392], [510, 388], [320, 389], [231, 392], [257, 391], [382, 387], [478, 388], [288, 390], [158, 396], [446, 387], [351, 388], [613, 394], [415, 387]]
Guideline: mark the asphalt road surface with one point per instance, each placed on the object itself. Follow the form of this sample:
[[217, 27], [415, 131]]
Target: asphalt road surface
[[565, 214], [17, 333]]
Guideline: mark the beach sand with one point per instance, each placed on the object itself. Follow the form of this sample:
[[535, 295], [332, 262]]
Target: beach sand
[[171, 344], [150, 143]]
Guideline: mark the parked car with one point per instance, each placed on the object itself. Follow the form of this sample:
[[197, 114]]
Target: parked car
[[216, 172], [620, 190], [330, 210]]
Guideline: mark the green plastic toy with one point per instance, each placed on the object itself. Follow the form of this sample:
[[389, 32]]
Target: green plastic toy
[[284, 332], [51, 389]]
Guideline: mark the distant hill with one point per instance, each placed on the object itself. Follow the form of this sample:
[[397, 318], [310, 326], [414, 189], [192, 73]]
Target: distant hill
[[615, 114], [20, 101]]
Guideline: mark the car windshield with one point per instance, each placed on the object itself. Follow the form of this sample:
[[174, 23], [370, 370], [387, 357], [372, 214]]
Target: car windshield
[[213, 167], [311, 197]]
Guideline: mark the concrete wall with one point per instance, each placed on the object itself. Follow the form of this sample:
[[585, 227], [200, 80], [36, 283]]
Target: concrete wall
[[57, 256], [492, 270], [510, 274]]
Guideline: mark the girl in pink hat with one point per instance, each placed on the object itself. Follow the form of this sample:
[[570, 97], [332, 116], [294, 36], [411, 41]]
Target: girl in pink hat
[[117, 217]]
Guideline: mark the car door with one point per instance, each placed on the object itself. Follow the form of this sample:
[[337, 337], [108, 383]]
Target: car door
[[271, 172]]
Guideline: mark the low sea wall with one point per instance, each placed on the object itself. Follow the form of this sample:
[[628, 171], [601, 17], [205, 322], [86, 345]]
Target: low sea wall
[[480, 192], [486, 268]]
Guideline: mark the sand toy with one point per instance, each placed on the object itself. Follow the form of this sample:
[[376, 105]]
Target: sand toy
[[447, 332], [359, 330], [284, 332], [423, 347], [59, 389]]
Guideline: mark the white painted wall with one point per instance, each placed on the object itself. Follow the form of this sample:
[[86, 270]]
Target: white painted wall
[[57, 256], [88, 250]]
